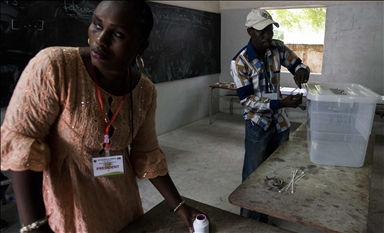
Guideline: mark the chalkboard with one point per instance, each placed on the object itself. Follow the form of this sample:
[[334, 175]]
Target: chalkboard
[[184, 43], [29, 26]]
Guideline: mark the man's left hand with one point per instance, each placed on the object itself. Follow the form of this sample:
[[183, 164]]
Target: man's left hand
[[301, 76]]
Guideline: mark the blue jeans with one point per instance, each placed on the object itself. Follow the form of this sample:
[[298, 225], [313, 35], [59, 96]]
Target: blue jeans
[[259, 145]]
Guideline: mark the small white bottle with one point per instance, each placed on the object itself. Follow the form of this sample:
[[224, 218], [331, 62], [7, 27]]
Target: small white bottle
[[201, 224]]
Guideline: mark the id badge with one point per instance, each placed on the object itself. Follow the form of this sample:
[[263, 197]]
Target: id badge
[[272, 96], [108, 166]]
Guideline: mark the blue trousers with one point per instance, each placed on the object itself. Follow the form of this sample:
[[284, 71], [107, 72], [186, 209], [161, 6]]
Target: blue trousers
[[259, 145]]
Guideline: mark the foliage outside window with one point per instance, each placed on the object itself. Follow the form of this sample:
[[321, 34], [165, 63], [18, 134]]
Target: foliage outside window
[[303, 31]]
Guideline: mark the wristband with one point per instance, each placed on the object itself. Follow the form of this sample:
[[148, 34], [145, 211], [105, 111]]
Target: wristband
[[179, 205], [34, 225]]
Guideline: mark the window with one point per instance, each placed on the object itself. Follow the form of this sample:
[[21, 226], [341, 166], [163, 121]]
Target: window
[[302, 30]]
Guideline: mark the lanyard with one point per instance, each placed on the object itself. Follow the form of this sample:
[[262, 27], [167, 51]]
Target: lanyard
[[107, 126]]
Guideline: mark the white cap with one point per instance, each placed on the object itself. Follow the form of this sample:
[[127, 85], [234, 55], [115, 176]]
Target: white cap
[[259, 19]]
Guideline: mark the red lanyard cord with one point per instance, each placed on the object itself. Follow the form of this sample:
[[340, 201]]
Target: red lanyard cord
[[107, 126]]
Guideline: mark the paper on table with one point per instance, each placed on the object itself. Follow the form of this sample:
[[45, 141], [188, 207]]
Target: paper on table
[[292, 91]]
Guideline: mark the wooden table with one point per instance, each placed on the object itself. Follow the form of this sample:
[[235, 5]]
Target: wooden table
[[328, 198], [161, 219]]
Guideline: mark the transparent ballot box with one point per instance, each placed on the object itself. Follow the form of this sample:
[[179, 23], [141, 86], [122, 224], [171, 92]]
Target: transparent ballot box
[[340, 118]]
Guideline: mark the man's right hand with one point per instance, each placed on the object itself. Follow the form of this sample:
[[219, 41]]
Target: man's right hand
[[291, 101]]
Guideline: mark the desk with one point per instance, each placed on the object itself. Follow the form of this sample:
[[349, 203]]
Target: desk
[[161, 219], [328, 198], [232, 96]]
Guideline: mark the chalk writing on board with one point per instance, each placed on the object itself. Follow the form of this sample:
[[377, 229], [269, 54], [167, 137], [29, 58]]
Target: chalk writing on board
[[29, 26], [185, 17], [11, 2], [80, 11], [184, 43]]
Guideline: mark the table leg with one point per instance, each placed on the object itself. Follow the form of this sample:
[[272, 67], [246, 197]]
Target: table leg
[[210, 108], [231, 106]]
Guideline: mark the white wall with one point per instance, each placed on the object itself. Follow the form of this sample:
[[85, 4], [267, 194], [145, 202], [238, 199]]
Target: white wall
[[185, 101], [182, 102], [353, 47]]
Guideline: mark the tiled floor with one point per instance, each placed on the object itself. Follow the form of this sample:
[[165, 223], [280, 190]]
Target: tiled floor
[[205, 164]]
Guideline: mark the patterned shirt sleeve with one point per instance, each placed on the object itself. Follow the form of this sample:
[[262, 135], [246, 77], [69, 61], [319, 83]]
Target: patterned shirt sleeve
[[290, 60], [247, 81]]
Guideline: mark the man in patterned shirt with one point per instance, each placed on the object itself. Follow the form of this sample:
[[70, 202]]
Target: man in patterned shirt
[[256, 72]]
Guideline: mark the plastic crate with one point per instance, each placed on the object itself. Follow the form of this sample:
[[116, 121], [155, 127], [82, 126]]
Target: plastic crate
[[340, 117]]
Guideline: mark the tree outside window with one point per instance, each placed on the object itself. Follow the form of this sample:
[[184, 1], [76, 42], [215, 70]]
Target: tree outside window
[[302, 30]]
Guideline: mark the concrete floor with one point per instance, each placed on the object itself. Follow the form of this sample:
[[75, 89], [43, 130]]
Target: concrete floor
[[205, 163]]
